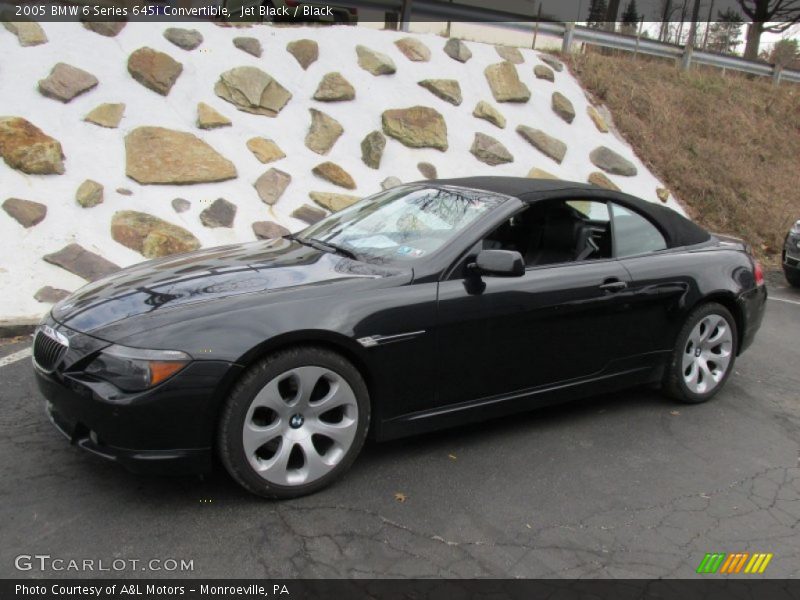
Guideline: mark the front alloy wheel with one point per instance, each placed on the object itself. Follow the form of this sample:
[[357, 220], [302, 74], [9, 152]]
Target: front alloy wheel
[[294, 423]]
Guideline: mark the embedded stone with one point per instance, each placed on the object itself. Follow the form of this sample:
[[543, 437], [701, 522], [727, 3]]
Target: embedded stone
[[374, 62], [334, 88], [305, 51], [484, 110], [50, 295], [250, 45], [447, 89], [597, 119], [372, 147], [662, 194], [490, 151], [252, 90], [427, 169], [309, 214], [265, 150], [124, 191], [26, 148], [105, 28], [187, 39], [159, 155], [89, 194], [181, 205], [505, 84], [65, 82], [554, 64], [537, 173], [81, 262], [221, 213], [154, 70], [457, 50], [333, 202], [413, 49], [29, 33], [106, 115], [335, 174], [611, 162], [150, 236], [543, 72], [323, 133], [271, 185], [562, 107], [26, 212], [390, 182], [416, 127], [546, 144], [600, 180], [209, 118], [268, 230], [510, 53]]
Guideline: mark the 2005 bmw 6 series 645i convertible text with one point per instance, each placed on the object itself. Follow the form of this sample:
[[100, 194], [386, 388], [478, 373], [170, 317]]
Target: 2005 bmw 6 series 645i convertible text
[[425, 306]]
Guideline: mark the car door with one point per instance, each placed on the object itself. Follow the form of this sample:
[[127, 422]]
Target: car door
[[555, 323]]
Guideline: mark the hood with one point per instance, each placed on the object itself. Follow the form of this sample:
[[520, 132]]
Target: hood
[[207, 275]]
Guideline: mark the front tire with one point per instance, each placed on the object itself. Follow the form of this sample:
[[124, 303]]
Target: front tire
[[294, 423], [792, 276], [704, 355]]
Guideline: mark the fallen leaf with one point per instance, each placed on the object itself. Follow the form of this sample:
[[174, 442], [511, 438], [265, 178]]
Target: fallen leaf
[[528, 525], [452, 457], [400, 497]]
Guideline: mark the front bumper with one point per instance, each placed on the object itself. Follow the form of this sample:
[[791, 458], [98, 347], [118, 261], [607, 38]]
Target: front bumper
[[791, 252], [167, 429]]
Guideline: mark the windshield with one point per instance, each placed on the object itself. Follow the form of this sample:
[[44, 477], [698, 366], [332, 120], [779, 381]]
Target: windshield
[[404, 223]]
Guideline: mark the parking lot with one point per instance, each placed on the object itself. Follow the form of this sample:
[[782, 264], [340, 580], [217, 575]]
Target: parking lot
[[625, 485]]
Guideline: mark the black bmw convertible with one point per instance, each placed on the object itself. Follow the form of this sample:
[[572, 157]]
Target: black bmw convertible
[[425, 306]]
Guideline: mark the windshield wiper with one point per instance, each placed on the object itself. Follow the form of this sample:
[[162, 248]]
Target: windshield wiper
[[324, 246], [330, 247]]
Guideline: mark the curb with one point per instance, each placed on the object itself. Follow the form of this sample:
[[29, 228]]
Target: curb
[[15, 327]]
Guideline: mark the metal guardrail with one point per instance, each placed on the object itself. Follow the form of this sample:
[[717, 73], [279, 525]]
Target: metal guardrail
[[438, 10]]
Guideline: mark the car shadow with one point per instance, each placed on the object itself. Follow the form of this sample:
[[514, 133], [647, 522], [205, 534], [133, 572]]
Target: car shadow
[[219, 488]]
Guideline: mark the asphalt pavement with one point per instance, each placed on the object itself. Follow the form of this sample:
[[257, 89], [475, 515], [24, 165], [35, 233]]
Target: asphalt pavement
[[622, 485]]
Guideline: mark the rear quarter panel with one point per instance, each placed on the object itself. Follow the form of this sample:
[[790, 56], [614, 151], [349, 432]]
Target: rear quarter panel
[[670, 284]]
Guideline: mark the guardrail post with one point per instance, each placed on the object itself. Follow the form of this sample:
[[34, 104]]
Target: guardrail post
[[569, 33], [405, 15], [686, 59], [777, 70]]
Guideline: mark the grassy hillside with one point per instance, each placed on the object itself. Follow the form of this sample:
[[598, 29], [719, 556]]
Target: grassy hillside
[[728, 147]]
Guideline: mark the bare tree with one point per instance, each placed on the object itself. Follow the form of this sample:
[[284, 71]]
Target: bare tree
[[775, 16]]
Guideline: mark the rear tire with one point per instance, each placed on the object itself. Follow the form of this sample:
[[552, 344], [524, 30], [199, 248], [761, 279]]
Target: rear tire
[[704, 355], [294, 423]]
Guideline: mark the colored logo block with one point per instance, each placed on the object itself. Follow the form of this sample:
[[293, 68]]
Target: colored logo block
[[734, 563]]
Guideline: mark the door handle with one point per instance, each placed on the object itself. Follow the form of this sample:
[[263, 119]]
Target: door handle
[[613, 285]]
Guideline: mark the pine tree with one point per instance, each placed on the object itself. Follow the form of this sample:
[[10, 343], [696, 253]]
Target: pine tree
[[724, 34], [630, 18], [597, 14]]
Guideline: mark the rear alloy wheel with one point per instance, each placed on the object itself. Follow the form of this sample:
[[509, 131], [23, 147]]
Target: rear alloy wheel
[[295, 422], [704, 354]]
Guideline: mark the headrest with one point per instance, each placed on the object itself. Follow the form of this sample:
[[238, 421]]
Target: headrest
[[560, 231]]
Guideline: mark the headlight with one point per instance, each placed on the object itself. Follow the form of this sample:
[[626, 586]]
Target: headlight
[[135, 369]]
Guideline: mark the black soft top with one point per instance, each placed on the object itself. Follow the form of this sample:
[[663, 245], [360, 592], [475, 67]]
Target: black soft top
[[677, 229]]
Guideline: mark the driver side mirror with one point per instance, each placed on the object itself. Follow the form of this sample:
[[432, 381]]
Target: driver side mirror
[[503, 263]]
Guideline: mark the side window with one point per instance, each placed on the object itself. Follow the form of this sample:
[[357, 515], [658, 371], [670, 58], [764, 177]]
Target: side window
[[554, 232], [633, 234]]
